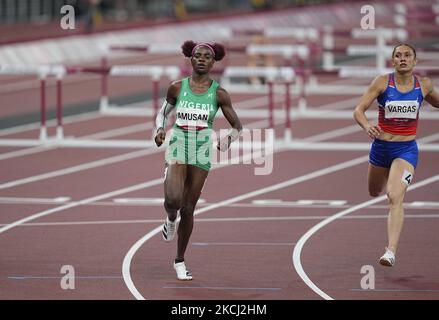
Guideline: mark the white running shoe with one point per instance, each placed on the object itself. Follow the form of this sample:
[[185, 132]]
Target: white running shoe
[[388, 258], [182, 272], [169, 228]]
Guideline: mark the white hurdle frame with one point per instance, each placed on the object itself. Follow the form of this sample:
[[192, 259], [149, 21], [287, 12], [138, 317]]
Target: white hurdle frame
[[43, 73], [59, 72], [104, 106], [274, 76]]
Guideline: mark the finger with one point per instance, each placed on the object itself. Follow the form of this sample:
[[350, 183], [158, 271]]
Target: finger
[[373, 131]]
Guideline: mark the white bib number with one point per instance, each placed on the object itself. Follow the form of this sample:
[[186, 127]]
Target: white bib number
[[192, 117], [401, 109]]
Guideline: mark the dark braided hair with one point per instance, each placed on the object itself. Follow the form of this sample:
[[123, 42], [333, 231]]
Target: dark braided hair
[[188, 47]]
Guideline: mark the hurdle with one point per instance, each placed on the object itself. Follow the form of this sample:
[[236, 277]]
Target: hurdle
[[59, 72], [155, 73], [380, 35], [402, 16], [43, 73], [274, 76], [172, 72]]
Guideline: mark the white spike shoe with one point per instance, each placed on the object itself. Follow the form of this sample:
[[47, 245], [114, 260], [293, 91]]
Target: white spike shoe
[[388, 258], [182, 272], [168, 230]]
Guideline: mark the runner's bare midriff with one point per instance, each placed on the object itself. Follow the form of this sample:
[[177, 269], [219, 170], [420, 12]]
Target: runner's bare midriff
[[394, 137]]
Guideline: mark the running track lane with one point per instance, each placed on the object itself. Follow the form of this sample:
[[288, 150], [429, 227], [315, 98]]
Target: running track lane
[[299, 160]]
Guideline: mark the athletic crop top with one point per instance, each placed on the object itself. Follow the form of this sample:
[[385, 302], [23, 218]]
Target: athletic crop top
[[399, 111], [194, 110]]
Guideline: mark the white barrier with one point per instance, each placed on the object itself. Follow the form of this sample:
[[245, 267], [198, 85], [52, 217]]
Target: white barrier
[[358, 72], [270, 73], [59, 72], [380, 50], [155, 72], [402, 15], [283, 75], [302, 34], [388, 33], [42, 72], [286, 51]]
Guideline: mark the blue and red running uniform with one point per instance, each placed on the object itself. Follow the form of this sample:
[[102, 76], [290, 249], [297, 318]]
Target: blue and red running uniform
[[398, 115]]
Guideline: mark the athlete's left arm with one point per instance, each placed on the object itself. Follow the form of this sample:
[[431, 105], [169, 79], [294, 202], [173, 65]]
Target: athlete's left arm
[[431, 95], [225, 103]]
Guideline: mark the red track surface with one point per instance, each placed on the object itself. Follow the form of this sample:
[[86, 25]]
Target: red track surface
[[237, 251], [242, 258]]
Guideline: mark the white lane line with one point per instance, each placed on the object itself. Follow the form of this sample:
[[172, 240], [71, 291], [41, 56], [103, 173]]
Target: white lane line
[[305, 202], [245, 104], [342, 104], [220, 288], [145, 201], [34, 200], [60, 277], [329, 202], [36, 125], [132, 251], [24, 85], [430, 138], [333, 134], [82, 202], [81, 167], [394, 290], [111, 133], [300, 244], [136, 154], [424, 204], [234, 219], [205, 244], [24, 152], [107, 195], [416, 205], [112, 193], [126, 265], [100, 135]]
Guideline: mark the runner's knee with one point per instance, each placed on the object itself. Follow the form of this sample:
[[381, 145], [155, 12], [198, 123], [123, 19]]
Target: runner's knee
[[375, 191], [395, 198], [187, 210], [172, 201]]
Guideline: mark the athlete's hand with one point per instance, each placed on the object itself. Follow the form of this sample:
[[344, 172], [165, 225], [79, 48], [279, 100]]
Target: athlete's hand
[[160, 137], [224, 143], [373, 131]]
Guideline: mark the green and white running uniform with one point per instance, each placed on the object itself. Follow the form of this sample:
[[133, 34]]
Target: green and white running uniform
[[191, 141]]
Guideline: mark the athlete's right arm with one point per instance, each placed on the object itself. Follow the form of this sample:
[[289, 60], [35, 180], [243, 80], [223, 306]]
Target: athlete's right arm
[[431, 96], [162, 116], [377, 87]]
